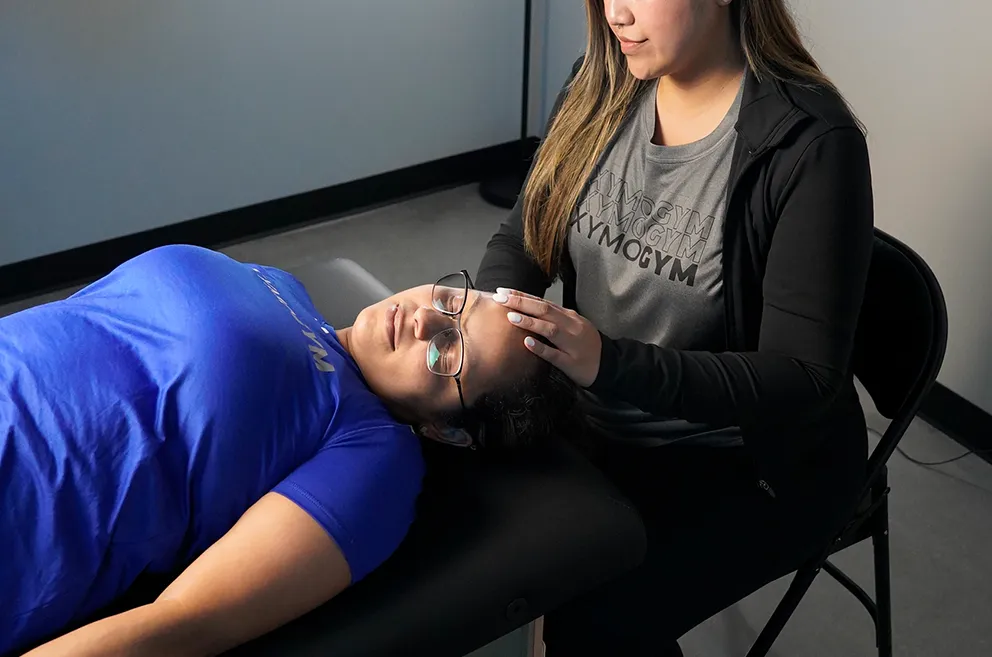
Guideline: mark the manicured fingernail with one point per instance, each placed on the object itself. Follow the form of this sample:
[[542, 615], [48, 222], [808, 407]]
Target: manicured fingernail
[[530, 342], [514, 317], [505, 291], [499, 297]]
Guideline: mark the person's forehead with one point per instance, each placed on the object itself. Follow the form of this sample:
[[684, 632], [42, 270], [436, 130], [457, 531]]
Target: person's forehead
[[489, 343], [480, 313]]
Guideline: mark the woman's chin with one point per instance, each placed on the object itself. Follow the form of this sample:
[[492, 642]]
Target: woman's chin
[[364, 327], [645, 68]]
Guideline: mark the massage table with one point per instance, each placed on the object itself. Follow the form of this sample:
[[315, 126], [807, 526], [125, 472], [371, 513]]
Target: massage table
[[497, 542]]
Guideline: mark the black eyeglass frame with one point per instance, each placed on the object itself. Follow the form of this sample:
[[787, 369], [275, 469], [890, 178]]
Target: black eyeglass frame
[[457, 314]]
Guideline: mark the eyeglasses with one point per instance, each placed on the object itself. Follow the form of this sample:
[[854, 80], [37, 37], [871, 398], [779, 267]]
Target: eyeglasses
[[446, 350]]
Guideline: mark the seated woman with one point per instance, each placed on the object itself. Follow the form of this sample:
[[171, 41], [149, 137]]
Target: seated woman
[[191, 412]]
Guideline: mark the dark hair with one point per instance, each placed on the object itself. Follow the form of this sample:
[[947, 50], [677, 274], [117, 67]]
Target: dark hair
[[525, 413]]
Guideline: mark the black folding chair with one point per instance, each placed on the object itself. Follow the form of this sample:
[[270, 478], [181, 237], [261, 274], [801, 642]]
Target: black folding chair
[[899, 348]]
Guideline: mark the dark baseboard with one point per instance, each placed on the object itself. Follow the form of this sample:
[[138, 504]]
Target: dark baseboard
[[960, 419], [76, 266]]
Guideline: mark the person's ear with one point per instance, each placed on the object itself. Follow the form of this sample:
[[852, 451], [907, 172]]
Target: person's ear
[[445, 434]]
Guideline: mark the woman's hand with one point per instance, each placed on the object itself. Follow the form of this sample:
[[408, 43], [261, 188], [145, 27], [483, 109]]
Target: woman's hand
[[576, 341]]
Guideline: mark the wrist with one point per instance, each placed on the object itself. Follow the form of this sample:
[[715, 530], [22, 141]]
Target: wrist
[[608, 361]]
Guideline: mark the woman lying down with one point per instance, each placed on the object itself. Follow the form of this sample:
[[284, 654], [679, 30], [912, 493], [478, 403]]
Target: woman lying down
[[189, 412]]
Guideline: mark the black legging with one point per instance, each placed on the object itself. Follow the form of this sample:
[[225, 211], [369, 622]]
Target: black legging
[[714, 537]]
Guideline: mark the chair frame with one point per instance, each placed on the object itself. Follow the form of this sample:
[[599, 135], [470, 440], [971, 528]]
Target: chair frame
[[872, 518]]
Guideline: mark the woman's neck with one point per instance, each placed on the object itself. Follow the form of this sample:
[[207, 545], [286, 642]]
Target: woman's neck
[[692, 103], [398, 411], [698, 90], [344, 339], [701, 82]]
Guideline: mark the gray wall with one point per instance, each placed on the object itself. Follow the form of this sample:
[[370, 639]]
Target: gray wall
[[919, 75], [565, 36], [119, 116]]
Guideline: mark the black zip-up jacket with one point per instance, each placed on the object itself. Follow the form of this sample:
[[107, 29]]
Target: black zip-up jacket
[[797, 246]]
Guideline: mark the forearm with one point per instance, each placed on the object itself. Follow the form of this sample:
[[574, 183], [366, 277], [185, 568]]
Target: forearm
[[507, 263], [160, 629], [720, 389]]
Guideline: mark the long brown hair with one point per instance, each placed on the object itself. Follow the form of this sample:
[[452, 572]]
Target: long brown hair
[[600, 95]]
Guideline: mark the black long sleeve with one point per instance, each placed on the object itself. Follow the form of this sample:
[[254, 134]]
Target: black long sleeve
[[813, 288], [506, 262]]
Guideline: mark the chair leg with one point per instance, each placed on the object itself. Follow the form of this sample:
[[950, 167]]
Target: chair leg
[[800, 584], [883, 590], [855, 590]]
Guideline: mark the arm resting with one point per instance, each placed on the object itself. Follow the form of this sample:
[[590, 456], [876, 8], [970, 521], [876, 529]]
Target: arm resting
[[274, 565]]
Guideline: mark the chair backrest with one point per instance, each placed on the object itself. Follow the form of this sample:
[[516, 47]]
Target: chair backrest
[[901, 338]]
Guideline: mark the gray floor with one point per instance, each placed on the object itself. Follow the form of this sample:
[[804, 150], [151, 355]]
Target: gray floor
[[941, 517]]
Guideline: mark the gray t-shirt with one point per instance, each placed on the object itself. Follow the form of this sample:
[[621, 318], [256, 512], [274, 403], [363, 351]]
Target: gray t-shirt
[[646, 242]]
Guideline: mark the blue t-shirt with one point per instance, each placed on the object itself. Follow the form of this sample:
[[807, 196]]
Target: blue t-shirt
[[141, 417]]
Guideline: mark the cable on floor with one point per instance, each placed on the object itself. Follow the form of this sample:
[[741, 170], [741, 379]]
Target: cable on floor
[[932, 463]]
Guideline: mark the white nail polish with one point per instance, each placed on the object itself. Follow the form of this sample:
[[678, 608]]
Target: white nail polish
[[499, 297], [514, 317]]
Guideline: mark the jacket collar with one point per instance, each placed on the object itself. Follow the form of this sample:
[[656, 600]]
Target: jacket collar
[[767, 113]]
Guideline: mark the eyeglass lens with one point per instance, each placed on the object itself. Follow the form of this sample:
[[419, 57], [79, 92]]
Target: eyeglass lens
[[450, 293], [444, 353]]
